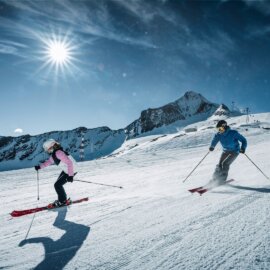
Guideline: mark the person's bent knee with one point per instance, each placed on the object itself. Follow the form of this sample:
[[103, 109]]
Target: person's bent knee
[[57, 185]]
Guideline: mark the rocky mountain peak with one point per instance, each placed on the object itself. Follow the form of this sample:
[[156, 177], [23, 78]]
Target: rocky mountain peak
[[189, 105], [192, 95]]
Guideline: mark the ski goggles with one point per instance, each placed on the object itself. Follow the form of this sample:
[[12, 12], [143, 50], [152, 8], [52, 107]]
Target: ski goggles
[[221, 129], [50, 150]]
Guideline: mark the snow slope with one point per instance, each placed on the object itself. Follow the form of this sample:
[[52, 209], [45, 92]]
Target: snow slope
[[154, 222]]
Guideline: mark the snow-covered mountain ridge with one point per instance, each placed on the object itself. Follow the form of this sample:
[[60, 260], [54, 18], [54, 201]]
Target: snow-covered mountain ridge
[[26, 151]]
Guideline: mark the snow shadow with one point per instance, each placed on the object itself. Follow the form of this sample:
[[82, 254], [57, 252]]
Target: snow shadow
[[263, 190], [60, 252]]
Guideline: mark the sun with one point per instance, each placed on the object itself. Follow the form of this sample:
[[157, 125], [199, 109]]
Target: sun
[[58, 53]]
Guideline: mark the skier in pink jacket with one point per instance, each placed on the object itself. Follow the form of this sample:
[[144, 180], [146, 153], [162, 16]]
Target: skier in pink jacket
[[59, 156]]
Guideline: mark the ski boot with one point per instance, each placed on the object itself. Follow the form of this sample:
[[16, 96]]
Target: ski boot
[[57, 203], [68, 201]]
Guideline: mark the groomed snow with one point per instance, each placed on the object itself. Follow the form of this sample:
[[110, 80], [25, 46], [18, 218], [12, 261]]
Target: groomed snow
[[154, 222]]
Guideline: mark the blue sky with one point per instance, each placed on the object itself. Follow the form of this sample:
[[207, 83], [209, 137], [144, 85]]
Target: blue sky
[[123, 56]]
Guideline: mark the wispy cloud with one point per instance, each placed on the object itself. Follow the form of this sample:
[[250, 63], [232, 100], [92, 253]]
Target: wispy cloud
[[214, 46], [262, 6], [5, 49], [13, 43], [254, 30], [94, 21], [11, 47], [147, 11]]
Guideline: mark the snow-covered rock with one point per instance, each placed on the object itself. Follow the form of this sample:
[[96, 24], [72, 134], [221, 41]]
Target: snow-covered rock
[[224, 112]]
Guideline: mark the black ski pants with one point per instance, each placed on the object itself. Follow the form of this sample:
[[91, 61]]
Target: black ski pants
[[62, 179], [222, 168]]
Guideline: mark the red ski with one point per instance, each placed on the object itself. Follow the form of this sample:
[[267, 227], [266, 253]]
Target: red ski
[[202, 190], [195, 189], [19, 213]]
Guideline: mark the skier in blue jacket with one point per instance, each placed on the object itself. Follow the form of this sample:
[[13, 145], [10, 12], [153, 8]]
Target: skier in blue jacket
[[229, 140]]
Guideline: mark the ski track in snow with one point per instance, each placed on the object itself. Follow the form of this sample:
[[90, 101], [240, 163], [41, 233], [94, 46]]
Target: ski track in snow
[[154, 222]]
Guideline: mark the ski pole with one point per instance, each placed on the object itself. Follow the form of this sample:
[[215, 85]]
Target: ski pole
[[257, 166], [196, 166], [89, 182], [37, 186]]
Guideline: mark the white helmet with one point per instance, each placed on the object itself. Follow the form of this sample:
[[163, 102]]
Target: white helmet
[[48, 145]]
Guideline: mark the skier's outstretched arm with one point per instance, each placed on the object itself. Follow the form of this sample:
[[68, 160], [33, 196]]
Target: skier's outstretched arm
[[47, 163]]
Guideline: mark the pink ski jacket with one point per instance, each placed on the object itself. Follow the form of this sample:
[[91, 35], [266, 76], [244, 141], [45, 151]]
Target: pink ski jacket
[[64, 159]]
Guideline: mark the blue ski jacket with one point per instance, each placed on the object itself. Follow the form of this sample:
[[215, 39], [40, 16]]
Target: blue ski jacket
[[229, 140]]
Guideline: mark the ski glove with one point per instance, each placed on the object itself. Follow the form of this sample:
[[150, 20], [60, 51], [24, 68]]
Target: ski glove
[[70, 179], [211, 148], [242, 151], [37, 168]]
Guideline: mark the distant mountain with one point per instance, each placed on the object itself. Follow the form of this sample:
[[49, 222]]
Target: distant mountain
[[190, 105], [224, 112], [26, 151]]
